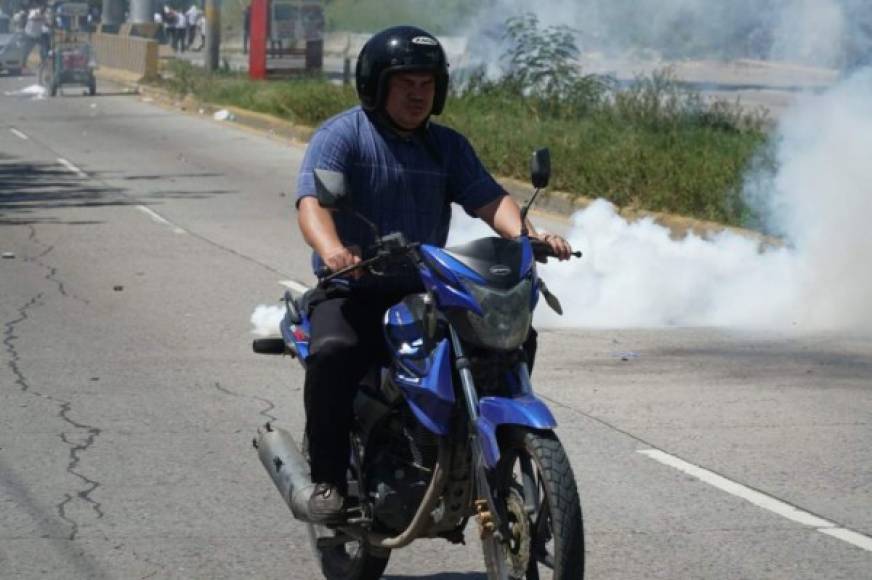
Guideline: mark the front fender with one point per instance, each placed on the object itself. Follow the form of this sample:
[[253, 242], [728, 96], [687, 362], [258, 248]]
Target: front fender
[[527, 411]]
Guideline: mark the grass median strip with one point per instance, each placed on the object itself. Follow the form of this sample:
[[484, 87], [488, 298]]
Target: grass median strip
[[653, 146]]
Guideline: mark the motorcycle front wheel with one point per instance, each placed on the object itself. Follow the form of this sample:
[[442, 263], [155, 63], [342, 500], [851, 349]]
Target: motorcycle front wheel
[[536, 486]]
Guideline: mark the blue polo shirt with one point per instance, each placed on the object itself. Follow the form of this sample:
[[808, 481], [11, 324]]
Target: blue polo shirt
[[404, 184]]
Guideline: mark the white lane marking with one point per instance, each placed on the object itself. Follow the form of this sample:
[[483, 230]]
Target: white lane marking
[[294, 285], [849, 536], [19, 134], [72, 168], [160, 219], [760, 499]]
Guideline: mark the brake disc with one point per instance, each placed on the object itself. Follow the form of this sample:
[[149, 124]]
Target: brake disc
[[518, 549]]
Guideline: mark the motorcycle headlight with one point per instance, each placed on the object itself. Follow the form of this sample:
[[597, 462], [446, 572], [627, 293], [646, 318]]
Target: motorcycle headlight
[[507, 316]]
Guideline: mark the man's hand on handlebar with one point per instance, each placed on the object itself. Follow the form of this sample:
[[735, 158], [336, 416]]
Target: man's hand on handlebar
[[343, 257], [554, 246]]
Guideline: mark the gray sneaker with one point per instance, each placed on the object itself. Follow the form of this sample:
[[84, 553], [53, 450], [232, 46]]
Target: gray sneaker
[[325, 504]]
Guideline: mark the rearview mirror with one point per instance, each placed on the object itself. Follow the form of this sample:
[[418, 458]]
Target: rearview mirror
[[331, 188], [540, 168]]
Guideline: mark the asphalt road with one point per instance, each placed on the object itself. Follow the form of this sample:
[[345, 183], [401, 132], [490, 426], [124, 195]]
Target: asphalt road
[[140, 240]]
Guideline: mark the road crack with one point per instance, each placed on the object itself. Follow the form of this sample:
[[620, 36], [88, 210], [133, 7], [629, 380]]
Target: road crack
[[76, 449], [14, 363], [52, 271], [265, 412], [9, 338]]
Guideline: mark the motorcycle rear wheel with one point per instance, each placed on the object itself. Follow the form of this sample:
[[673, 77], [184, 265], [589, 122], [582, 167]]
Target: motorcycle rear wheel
[[536, 485], [350, 560], [345, 560]]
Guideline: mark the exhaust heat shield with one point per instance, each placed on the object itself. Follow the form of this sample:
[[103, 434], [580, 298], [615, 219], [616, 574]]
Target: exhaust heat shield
[[287, 467]]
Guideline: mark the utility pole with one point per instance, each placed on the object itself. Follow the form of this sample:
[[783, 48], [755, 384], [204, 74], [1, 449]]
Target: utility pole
[[141, 12], [113, 15], [213, 34]]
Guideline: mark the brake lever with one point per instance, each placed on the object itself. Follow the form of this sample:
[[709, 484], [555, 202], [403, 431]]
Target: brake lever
[[385, 252], [324, 274]]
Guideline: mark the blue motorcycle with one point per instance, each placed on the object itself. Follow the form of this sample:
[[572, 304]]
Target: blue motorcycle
[[451, 429]]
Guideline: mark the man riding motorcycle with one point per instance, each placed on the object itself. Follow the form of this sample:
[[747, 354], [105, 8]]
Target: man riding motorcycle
[[404, 172]]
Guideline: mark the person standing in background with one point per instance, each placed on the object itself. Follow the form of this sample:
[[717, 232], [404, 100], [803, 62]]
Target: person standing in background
[[159, 34], [191, 18], [201, 31], [19, 20], [48, 24], [180, 28], [33, 34]]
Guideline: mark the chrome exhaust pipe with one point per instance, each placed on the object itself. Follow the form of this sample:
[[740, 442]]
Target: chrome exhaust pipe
[[287, 468]]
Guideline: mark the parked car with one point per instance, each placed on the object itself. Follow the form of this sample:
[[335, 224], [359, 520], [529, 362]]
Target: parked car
[[12, 53]]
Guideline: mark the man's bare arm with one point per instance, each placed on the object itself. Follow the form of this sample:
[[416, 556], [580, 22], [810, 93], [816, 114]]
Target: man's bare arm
[[319, 230], [504, 216]]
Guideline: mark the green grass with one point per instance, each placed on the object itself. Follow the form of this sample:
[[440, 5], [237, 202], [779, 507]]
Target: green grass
[[654, 147], [694, 171]]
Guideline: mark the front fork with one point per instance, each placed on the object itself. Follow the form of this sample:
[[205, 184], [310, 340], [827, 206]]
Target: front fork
[[490, 514]]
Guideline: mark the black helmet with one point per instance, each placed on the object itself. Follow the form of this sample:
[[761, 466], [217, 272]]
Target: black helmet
[[396, 49]]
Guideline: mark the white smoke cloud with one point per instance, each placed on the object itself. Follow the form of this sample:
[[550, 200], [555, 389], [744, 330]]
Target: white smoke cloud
[[819, 199], [811, 31], [635, 275], [266, 319], [823, 198], [818, 32]]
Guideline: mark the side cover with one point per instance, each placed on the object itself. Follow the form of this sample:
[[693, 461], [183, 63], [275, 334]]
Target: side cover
[[422, 364], [295, 328]]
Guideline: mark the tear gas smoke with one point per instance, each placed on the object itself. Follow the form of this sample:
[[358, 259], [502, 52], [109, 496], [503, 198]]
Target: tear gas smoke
[[266, 319], [828, 33], [635, 275]]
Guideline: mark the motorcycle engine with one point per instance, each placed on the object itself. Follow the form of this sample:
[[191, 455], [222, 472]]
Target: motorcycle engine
[[398, 468]]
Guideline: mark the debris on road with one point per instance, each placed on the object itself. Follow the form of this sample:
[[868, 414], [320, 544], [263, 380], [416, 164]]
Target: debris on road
[[8, 255], [224, 115], [35, 91]]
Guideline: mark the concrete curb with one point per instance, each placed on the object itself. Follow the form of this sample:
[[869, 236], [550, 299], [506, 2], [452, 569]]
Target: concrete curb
[[558, 204]]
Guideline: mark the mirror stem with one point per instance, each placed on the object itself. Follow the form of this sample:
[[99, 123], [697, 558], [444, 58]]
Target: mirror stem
[[372, 226], [525, 210]]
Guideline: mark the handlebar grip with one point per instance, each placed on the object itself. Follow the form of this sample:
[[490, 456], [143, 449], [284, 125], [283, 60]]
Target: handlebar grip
[[541, 250], [269, 346]]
